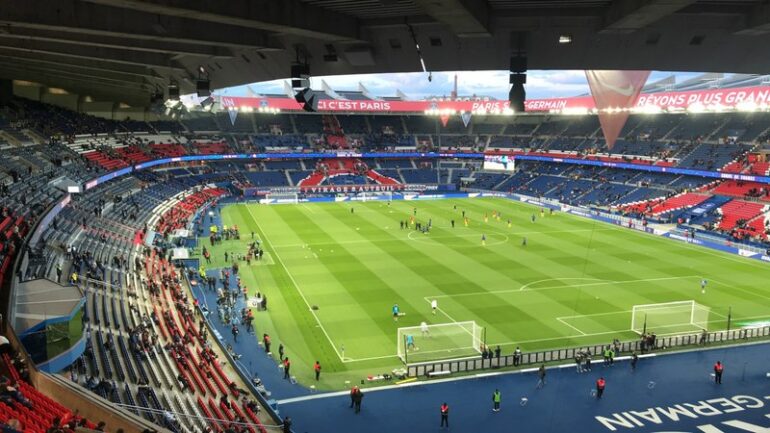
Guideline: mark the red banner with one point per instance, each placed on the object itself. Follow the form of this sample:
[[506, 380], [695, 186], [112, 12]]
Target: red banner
[[614, 92], [352, 188], [726, 98]]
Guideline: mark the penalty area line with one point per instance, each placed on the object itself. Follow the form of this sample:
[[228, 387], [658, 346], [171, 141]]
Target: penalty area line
[[573, 327], [524, 288]]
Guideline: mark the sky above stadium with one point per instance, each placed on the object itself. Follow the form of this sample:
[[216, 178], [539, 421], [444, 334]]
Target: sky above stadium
[[540, 84]]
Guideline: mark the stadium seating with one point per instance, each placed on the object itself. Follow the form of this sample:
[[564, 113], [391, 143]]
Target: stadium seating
[[742, 189], [737, 211], [678, 202], [760, 168], [118, 302]]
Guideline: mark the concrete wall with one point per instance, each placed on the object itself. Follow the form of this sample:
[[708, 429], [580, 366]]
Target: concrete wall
[[28, 91], [134, 113], [66, 100], [98, 109], [71, 101]]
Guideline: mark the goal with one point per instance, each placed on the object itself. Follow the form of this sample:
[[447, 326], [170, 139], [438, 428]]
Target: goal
[[441, 341], [282, 198], [669, 318], [372, 196]]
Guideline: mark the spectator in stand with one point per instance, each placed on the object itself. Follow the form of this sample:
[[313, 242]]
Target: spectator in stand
[[10, 394], [5, 345], [11, 426], [56, 426]]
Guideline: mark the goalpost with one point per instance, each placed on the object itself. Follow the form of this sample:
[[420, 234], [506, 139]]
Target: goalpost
[[378, 195], [669, 317], [282, 197], [441, 341]]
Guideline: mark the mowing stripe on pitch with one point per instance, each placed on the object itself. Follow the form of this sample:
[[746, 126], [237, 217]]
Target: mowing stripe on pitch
[[521, 289], [291, 277]]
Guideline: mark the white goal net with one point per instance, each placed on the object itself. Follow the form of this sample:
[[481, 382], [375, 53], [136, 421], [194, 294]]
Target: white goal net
[[669, 318], [380, 195], [440, 341], [282, 198]]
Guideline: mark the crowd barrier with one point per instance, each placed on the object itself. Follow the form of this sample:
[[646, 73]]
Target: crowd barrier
[[557, 355]]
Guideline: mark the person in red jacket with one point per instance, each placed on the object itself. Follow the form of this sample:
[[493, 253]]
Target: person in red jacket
[[286, 367], [266, 342], [600, 384], [353, 392], [317, 369], [444, 415], [718, 368]]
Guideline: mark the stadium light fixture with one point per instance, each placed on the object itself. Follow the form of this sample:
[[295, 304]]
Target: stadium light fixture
[[576, 111], [207, 104], [300, 75], [747, 106], [203, 83], [717, 108], [648, 109], [565, 39], [173, 103], [308, 99], [696, 107], [173, 91]]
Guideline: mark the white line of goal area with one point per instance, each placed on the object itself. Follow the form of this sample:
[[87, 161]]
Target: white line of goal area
[[564, 319]]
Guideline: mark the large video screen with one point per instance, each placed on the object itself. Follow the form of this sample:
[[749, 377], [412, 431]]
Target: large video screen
[[498, 162]]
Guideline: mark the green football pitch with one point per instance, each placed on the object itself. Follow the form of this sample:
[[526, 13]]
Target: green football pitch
[[574, 283]]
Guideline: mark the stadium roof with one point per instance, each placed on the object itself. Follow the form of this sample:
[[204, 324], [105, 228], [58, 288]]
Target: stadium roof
[[667, 84], [125, 49]]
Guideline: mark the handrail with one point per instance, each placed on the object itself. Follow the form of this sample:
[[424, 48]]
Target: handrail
[[552, 355]]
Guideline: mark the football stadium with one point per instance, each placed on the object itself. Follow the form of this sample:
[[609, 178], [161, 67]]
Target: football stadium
[[480, 215]]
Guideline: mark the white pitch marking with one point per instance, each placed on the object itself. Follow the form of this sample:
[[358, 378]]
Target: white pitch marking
[[738, 288], [573, 327], [601, 283], [474, 235], [526, 286], [291, 277]]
